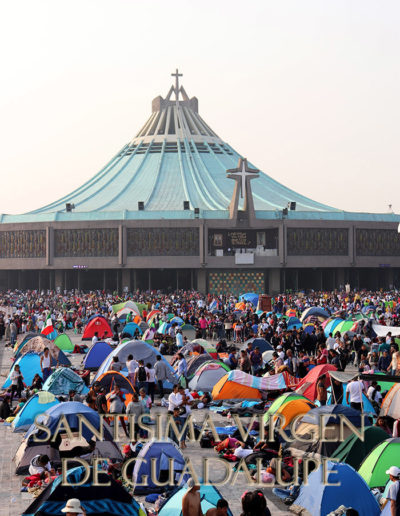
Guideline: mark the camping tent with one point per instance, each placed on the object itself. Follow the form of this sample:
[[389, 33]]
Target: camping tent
[[322, 437], [96, 355], [331, 325], [240, 385], [195, 362], [263, 344], [97, 325], [319, 498], [208, 347], [70, 410], [188, 331], [314, 310], [209, 496], [37, 345], [22, 338], [292, 409], [378, 461], [281, 400], [160, 452], [108, 497], [250, 297], [63, 380], [64, 343], [111, 378], [353, 450], [308, 385], [391, 403], [140, 350], [131, 328], [29, 365], [207, 376], [37, 404]]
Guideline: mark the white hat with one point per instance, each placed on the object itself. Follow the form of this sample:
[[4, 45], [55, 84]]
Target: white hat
[[73, 505], [394, 471]]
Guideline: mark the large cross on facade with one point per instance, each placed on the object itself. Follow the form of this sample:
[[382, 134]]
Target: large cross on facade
[[242, 175], [177, 75]]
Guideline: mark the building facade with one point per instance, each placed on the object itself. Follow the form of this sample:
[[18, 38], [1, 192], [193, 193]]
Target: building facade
[[178, 208]]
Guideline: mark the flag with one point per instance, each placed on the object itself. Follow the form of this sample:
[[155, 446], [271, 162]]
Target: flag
[[48, 329]]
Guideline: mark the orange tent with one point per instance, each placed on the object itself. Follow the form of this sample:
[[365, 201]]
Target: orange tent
[[226, 389], [293, 408]]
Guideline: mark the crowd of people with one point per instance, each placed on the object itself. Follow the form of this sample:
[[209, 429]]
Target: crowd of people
[[217, 319]]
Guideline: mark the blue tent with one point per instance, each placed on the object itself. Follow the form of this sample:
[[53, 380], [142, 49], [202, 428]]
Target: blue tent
[[334, 411], [29, 365], [69, 409], [250, 297], [64, 380], [330, 327], [97, 500], [37, 404], [320, 499], [96, 355], [367, 405], [263, 344], [131, 328], [161, 451], [140, 350], [294, 323], [209, 496]]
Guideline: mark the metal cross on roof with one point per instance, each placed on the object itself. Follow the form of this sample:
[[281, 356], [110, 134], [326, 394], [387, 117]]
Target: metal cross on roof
[[177, 75], [243, 174]]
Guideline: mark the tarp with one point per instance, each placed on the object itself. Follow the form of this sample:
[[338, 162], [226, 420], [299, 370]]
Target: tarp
[[64, 343], [96, 500], [37, 404], [382, 331], [161, 451], [207, 376], [353, 450], [320, 499], [63, 380], [308, 385], [97, 325], [209, 496], [96, 355], [240, 385], [378, 461]]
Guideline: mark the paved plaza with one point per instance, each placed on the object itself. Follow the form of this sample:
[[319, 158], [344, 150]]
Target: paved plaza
[[13, 502]]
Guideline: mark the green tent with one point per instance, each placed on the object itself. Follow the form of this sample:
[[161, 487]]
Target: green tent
[[118, 307], [378, 461], [287, 396], [353, 451], [344, 326], [385, 386], [64, 343]]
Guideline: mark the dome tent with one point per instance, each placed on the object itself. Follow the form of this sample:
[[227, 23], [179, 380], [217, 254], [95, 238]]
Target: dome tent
[[37, 404], [96, 355]]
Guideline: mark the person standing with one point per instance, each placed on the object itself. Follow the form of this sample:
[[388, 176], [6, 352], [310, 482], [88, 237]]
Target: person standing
[[161, 372], [322, 394], [393, 495], [256, 360], [182, 367], [45, 364], [131, 365], [16, 382], [141, 376], [354, 392], [191, 503], [151, 380]]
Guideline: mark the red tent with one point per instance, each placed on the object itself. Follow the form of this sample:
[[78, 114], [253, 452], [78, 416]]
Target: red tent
[[308, 385], [99, 325]]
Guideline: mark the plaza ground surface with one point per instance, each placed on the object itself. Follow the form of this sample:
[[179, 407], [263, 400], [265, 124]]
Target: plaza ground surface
[[13, 502]]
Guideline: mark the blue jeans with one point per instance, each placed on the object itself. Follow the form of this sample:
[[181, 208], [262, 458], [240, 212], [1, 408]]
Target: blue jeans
[[292, 491]]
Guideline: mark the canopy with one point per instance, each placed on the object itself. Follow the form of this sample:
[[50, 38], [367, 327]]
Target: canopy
[[320, 499], [209, 496], [107, 497], [353, 450], [382, 331], [378, 461], [240, 385]]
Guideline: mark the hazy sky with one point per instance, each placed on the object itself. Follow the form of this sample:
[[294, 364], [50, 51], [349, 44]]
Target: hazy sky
[[307, 90]]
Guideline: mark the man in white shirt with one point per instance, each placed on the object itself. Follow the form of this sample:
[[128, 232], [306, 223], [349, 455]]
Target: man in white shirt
[[174, 399], [131, 365], [95, 338], [330, 342], [354, 391], [393, 492]]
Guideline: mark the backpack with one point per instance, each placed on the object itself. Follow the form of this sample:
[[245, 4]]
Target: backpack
[[206, 440], [142, 377]]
